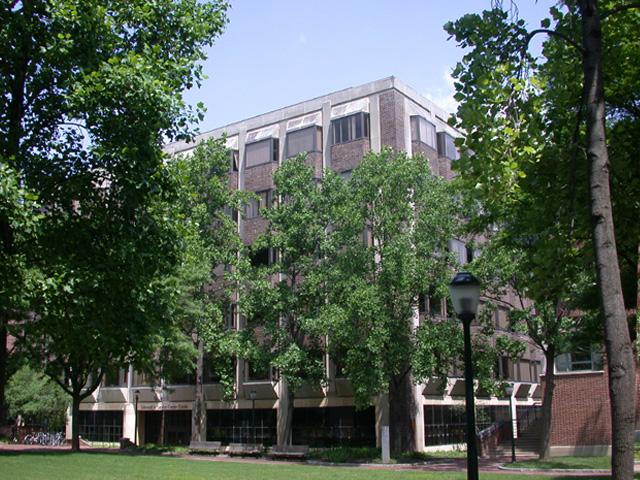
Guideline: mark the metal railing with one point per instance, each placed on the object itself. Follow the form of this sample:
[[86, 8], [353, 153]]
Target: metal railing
[[334, 435], [242, 434]]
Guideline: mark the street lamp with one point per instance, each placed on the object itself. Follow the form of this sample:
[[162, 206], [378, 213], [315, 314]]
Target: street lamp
[[252, 396], [509, 391], [135, 427], [465, 294]]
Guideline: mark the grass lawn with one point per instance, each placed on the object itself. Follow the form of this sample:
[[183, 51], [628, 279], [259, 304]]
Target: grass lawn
[[566, 463], [89, 466]]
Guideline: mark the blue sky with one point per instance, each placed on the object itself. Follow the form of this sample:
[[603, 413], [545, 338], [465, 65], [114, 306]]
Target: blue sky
[[278, 52]]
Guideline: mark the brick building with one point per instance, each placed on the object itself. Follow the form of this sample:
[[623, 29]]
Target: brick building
[[336, 130]]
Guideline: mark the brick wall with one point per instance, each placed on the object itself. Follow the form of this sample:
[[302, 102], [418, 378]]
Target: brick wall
[[581, 409], [314, 160], [347, 156], [427, 152], [260, 177], [392, 120], [251, 228]]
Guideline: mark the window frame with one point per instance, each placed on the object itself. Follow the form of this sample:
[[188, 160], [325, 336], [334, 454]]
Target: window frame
[[415, 122], [345, 129], [273, 152], [317, 140], [255, 205]]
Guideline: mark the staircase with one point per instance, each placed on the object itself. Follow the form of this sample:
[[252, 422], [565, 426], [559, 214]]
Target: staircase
[[526, 443], [529, 428]]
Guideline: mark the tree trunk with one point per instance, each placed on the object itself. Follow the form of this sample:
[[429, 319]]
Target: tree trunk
[[285, 416], [75, 419], [401, 415], [547, 404], [619, 350], [162, 423], [199, 412]]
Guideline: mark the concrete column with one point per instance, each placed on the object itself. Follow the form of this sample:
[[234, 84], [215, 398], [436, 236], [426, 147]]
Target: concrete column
[[382, 416], [129, 422], [326, 135], [374, 123]]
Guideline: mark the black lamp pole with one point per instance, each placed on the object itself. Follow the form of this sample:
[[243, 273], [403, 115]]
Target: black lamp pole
[[465, 294], [472, 448]]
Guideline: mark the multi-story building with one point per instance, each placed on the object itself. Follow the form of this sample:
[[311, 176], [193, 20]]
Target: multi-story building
[[335, 130]]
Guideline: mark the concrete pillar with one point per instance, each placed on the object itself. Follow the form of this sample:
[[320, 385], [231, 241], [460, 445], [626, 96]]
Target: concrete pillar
[[129, 422], [326, 135], [374, 123], [382, 416]]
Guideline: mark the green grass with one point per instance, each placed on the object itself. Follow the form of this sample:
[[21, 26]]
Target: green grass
[[105, 466], [562, 463]]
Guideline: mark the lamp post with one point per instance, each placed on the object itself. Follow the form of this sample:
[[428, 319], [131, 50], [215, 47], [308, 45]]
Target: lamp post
[[252, 396], [509, 391], [135, 427], [465, 294]]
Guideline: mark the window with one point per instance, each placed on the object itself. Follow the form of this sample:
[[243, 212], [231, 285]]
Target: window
[[262, 257], [350, 128], [304, 140], [230, 317], [234, 156], [258, 372], [115, 377], [231, 213], [580, 361], [423, 131], [257, 204], [447, 147], [209, 373], [501, 369], [459, 251], [264, 151]]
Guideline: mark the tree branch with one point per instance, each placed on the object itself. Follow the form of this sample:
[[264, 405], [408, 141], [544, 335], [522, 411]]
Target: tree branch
[[552, 33], [621, 8]]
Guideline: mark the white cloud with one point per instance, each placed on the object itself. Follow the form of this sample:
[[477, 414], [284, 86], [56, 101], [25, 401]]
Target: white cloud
[[443, 94]]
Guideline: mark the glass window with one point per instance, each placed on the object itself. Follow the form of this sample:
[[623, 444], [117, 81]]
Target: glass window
[[459, 250], [423, 131], [580, 361], [264, 151], [447, 147], [304, 140], [233, 160], [254, 206], [350, 128]]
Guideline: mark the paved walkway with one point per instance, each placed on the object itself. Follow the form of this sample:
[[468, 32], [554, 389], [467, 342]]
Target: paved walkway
[[436, 465]]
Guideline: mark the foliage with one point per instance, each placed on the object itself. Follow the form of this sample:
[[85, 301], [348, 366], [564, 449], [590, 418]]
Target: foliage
[[18, 210], [286, 297], [407, 217], [89, 92], [201, 288], [526, 162], [37, 398]]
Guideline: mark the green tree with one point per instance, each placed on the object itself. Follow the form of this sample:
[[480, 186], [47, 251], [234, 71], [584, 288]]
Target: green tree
[[37, 398], [18, 228], [527, 119], [286, 296], [406, 217], [206, 275], [89, 92]]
